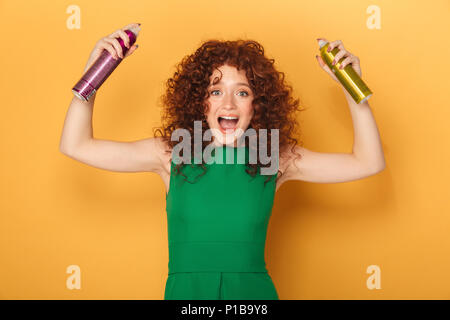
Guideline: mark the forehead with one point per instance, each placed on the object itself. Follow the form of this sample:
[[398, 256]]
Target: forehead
[[229, 74]]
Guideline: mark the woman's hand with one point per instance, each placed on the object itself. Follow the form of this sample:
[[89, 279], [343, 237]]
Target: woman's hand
[[111, 44], [349, 58]]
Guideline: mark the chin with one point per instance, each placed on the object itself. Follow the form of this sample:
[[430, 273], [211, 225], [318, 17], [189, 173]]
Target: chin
[[229, 138]]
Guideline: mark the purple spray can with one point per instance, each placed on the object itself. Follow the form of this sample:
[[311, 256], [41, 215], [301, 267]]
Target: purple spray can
[[100, 70]]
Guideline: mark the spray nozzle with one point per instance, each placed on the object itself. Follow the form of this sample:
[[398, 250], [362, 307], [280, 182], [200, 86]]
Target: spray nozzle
[[322, 43]]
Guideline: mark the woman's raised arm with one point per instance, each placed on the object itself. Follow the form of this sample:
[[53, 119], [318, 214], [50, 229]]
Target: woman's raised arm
[[77, 139]]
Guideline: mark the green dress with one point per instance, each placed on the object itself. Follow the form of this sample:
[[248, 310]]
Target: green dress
[[217, 226]]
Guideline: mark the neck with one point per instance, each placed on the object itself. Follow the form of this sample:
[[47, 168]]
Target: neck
[[234, 144]]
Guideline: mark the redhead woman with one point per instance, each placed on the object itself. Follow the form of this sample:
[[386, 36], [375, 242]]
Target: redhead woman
[[218, 211]]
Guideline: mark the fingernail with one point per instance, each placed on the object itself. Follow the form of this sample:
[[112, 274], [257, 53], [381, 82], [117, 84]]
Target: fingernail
[[137, 46], [139, 24]]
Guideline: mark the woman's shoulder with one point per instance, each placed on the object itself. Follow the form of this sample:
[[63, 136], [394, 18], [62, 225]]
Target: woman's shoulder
[[288, 155]]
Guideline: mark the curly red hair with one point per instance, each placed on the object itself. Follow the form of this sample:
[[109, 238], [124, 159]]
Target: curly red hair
[[186, 93]]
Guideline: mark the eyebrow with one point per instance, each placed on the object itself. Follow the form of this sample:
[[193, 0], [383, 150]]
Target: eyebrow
[[238, 84]]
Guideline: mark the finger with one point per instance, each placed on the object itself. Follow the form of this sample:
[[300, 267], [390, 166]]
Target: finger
[[338, 56], [123, 36], [131, 50], [334, 44], [110, 48], [345, 62], [116, 45]]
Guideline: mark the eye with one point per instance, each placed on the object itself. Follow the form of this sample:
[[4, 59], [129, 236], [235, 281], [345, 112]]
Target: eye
[[246, 93]]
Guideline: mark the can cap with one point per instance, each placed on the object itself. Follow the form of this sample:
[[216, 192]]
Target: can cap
[[322, 43]]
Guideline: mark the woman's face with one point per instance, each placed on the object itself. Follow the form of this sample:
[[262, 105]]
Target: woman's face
[[231, 97]]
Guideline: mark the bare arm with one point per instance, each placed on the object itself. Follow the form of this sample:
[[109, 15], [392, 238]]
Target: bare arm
[[320, 167], [367, 157], [77, 125], [77, 140]]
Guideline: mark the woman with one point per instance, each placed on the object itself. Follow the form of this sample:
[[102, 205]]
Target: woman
[[218, 212]]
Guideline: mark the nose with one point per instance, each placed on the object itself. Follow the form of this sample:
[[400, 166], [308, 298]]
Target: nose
[[229, 102]]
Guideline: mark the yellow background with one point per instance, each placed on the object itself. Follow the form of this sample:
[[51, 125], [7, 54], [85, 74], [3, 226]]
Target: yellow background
[[56, 212]]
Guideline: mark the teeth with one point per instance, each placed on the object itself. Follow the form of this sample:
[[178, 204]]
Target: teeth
[[229, 118]]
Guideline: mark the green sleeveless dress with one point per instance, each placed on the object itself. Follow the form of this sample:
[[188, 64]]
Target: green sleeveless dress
[[217, 226]]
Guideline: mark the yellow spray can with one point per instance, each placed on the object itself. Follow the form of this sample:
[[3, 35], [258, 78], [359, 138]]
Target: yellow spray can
[[347, 76]]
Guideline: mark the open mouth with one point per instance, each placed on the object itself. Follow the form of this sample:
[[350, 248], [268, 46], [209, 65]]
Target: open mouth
[[228, 124]]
